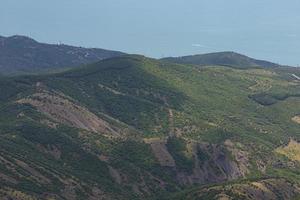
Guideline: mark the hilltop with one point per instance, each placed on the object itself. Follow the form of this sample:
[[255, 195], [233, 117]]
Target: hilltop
[[230, 59]]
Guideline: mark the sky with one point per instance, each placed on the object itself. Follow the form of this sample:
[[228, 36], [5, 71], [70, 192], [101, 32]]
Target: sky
[[264, 29]]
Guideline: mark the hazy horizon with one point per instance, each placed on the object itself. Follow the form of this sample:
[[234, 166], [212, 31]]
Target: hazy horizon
[[262, 29]]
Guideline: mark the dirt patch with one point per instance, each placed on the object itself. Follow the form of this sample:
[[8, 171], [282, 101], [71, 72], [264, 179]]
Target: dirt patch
[[292, 150], [161, 152], [103, 158], [49, 123], [261, 85], [63, 110], [52, 150], [296, 119], [111, 90], [115, 174]]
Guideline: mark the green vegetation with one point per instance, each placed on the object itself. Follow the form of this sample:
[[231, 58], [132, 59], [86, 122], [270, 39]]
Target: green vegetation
[[243, 115]]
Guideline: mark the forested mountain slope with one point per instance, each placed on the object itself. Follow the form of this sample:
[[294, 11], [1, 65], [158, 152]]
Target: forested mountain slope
[[133, 127]]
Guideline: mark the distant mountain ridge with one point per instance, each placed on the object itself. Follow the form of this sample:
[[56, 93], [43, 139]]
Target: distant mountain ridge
[[231, 59], [24, 55]]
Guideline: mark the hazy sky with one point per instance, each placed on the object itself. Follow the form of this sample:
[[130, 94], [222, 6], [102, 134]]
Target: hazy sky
[[265, 29]]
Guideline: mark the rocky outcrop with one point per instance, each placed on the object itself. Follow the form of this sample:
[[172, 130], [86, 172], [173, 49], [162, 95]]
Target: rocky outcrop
[[214, 163], [211, 163]]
